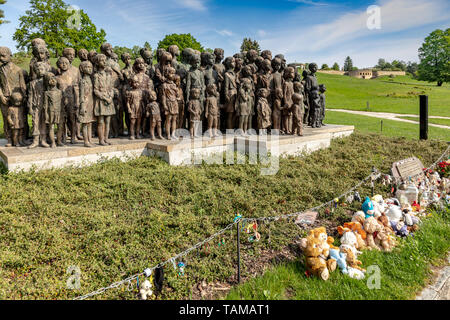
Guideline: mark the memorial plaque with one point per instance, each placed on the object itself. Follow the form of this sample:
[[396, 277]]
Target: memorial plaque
[[407, 168], [306, 218]]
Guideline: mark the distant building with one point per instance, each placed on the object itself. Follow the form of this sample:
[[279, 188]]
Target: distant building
[[372, 74]]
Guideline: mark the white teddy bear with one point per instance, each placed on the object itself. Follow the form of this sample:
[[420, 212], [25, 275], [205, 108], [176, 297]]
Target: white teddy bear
[[146, 290]]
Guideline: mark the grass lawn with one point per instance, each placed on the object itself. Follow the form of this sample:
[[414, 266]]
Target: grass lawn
[[444, 122], [391, 128], [403, 272], [398, 95], [115, 219]]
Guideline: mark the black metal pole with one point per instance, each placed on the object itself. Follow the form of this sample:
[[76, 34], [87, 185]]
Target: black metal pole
[[239, 252], [381, 126], [423, 117]]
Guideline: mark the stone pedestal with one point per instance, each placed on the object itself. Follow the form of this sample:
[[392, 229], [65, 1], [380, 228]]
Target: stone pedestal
[[181, 152]]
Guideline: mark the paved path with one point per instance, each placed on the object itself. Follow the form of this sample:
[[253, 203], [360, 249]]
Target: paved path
[[440, 289], [394, 116]]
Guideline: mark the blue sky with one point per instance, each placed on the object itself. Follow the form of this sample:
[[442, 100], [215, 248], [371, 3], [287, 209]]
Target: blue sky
[[323, 31]]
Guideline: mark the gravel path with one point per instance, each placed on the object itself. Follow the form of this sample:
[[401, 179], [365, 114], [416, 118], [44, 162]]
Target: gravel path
[[394, 116]]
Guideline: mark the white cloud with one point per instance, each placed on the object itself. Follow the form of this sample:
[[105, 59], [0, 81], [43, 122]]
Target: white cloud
[[198, 5], [310, 2], [225, 32], [262, 33]]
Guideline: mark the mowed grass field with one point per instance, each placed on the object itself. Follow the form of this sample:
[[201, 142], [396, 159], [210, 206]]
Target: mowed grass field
[[115, 219], [397, 95]]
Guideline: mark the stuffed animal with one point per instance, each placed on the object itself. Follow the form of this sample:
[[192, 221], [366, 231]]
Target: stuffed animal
[[371, 226], [352, 261], [368, 208], [359, 217], [383, 240], [341, 259], [400, 228], [385, 223], [321, 234], [349, 241], [356, 228], [146, 290], [330, 242], [315, 262], [355, 273]]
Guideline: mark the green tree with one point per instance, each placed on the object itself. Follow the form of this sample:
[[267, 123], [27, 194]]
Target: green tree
[[411, 68], [248, 44], [381, 64], [183, 41], [335, 66], [325, 67], [2, 14], [348, 64], [59, 25], [434, 55]]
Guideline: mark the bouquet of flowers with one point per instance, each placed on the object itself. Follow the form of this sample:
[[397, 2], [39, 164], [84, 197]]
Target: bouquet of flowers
[[444, 169]]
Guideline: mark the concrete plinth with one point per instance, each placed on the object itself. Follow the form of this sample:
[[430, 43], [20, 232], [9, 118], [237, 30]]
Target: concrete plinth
[[181, 152]]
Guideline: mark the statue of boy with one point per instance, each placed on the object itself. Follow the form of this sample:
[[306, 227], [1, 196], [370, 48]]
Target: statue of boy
[[86, 114], [230, 92], [52, 105], [15, 118], [195, 112], [288, 92], [244, 104], [154, 112], [264, 111], [69, 53], [83, 55], [220, 68], [267, 55], [12, 79], [247, 73], [181, 104], [276, 90], [211, 75], [145, 85], [127, 73], [40, 54], [311, 85], [135, 102], [212, 112], [36, 105], [195, 80], [169, 102], [68, 83], [298, 110], [322, 90], [104, 96], [147, 55]]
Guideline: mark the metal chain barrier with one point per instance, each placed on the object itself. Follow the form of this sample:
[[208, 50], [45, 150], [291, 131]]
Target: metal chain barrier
[[373, 176]]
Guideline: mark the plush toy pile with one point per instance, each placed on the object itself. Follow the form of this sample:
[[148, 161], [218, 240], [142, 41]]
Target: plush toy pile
[[376, 227]]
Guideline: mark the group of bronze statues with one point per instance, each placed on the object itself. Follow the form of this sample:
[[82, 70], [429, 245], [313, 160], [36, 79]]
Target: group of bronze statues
[[245, 92]]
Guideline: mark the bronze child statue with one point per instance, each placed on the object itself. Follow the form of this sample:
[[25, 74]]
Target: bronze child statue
[[244, 104], [212, 110], [134, 104], [86, 114], [36, 106], [322, 90], [154, 112], [288, 92], [298, 110], [169, 102], [104, 105], [195, 112], [264, 111], [52, 106], [15, 118], [230, 92]]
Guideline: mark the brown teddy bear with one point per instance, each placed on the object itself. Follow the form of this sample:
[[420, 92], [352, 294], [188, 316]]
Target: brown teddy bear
[[372, 227], [357, 229], [383, 240], [352, 261], [316, 263]]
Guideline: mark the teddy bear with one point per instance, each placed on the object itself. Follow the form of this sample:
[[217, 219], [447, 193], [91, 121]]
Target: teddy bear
[[146, 290], [349, 241], [383, 240], [352, 261], [371, 226], [400, 228], [359, 217], [348, 227], [315, 262]]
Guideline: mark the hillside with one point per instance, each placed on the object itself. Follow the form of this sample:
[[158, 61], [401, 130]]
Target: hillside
[[399, 95]]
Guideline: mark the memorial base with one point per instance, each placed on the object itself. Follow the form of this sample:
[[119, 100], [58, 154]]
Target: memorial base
[[182, 152]]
